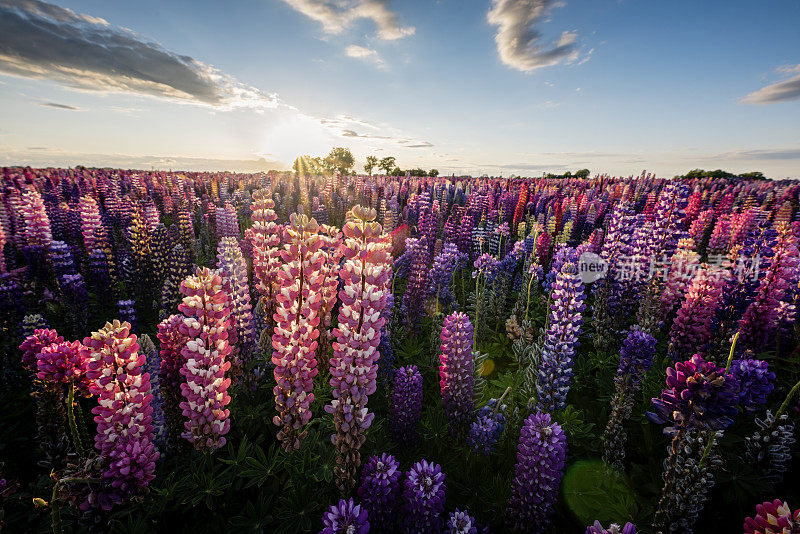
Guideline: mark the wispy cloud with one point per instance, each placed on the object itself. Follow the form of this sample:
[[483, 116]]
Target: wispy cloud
[[365, 54], [56, 105], [346, 127], [45, 41], [47, 157], [337, 15], [764, 154], [778, 92], [518, 42]]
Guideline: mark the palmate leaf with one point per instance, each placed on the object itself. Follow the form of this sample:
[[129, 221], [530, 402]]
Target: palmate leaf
[[592, 491]]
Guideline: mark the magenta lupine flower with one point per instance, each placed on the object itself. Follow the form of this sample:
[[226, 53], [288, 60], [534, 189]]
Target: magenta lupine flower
[[63, 364], [406, 405], [297, 328], [123, 416], [205, 360], [380, 491], [354, 366], [460, 523], [760, 320], [234, 269], [34, 343], [456, 367], [540, 466], [613, 528], [347, 517], [561, 338], [691, 330], [265, 239], [2, 248], [773, 518], [423, 498], [682, 268], [699, 394], [171, 341]]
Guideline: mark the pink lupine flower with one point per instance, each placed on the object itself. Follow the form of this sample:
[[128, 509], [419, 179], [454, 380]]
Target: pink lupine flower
[[205, 390], [37, 223], [354, 366], [297, 328], [33, 344], [123, 415]]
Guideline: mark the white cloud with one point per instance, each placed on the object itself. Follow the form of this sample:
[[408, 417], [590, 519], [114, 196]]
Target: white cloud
[[518, 42], [337, 15], [44, 41], [364, 54], [778, 92]]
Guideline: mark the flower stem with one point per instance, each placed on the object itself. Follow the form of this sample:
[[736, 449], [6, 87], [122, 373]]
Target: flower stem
[[786, 401], [733, 347], [73, 428]]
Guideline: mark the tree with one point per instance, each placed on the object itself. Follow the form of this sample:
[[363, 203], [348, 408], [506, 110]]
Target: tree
[[433, 172], [583, 173], [340, 160], [372, 162], [387, 164], [307, 165], [396, 171], [417, 172]]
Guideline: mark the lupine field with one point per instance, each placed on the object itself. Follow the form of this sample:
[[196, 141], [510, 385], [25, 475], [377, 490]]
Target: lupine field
[[274, 352]]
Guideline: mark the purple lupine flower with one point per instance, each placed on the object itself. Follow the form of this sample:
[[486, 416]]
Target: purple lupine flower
[[347, 517], [699, 394], [484, 263], [486, 430], [234, 269], [754, 381], [127, 313], [418, 279], [456, 370], [423, 498], [635, 357], [441, 275], [152, 366], [406, 405], [460, 523], [31, 323], [540, 466], [613, 528], [561, 339], [379, 491]]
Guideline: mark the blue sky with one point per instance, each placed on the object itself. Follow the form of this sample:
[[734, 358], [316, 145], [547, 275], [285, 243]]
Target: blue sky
[[492, 86]]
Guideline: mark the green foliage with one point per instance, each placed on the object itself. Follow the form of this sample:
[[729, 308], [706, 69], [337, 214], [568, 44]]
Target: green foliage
[[592, 491], [387, 164], [339, 160], [371, 163]]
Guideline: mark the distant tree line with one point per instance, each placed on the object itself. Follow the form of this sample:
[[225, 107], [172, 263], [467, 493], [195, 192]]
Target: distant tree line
[[719, 173], [583, 173], [341, 160]]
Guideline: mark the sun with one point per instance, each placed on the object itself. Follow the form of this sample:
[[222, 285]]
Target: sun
[[295, 135]]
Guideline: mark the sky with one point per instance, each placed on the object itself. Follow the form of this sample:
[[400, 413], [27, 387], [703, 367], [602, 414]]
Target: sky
[[464, 86]]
